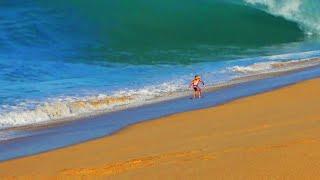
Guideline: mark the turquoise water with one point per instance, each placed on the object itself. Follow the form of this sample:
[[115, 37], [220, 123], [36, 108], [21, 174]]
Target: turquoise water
[[63, 59]]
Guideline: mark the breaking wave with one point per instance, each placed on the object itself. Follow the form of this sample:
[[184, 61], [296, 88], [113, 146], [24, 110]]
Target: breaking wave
[[305, 12]]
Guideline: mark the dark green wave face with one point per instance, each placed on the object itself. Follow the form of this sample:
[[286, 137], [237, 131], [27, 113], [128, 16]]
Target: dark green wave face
[[175, 23]]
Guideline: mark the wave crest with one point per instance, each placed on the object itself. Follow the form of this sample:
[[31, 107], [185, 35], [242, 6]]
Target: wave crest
[[305, 12]]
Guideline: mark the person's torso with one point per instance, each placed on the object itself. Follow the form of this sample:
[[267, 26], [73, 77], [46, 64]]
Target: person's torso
[[196, 82]]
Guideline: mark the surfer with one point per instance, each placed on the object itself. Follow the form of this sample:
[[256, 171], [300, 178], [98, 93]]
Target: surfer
[[195, 85]]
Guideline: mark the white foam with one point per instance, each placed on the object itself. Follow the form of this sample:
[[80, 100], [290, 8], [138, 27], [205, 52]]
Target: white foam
[[68, 107], [256, 67], [305, 12], [274, 66]]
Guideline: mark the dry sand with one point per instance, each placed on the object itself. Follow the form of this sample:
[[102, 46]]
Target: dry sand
[[274, 135]]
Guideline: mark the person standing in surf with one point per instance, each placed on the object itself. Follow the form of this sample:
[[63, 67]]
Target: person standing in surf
[[195, 85]]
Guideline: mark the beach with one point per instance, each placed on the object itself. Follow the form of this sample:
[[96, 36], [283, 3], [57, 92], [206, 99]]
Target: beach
[[101, 89], [273, 135]]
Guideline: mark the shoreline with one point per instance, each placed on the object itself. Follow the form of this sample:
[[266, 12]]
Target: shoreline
[[122, 103], [209, 141], [75, 132], [171, 97]]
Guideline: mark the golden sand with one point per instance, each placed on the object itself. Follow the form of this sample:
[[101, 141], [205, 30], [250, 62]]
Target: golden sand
[[274, 135]]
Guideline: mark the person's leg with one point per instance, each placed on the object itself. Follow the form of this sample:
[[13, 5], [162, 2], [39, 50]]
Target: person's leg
[[200, 92]]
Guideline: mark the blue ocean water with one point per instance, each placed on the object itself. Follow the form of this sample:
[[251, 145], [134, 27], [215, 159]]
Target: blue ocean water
[[62, 59]]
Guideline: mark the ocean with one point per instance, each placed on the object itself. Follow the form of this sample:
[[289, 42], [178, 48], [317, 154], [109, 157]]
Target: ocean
[[68, 59]]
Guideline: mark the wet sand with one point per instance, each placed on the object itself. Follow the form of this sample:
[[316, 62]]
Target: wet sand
[[273, 135]]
